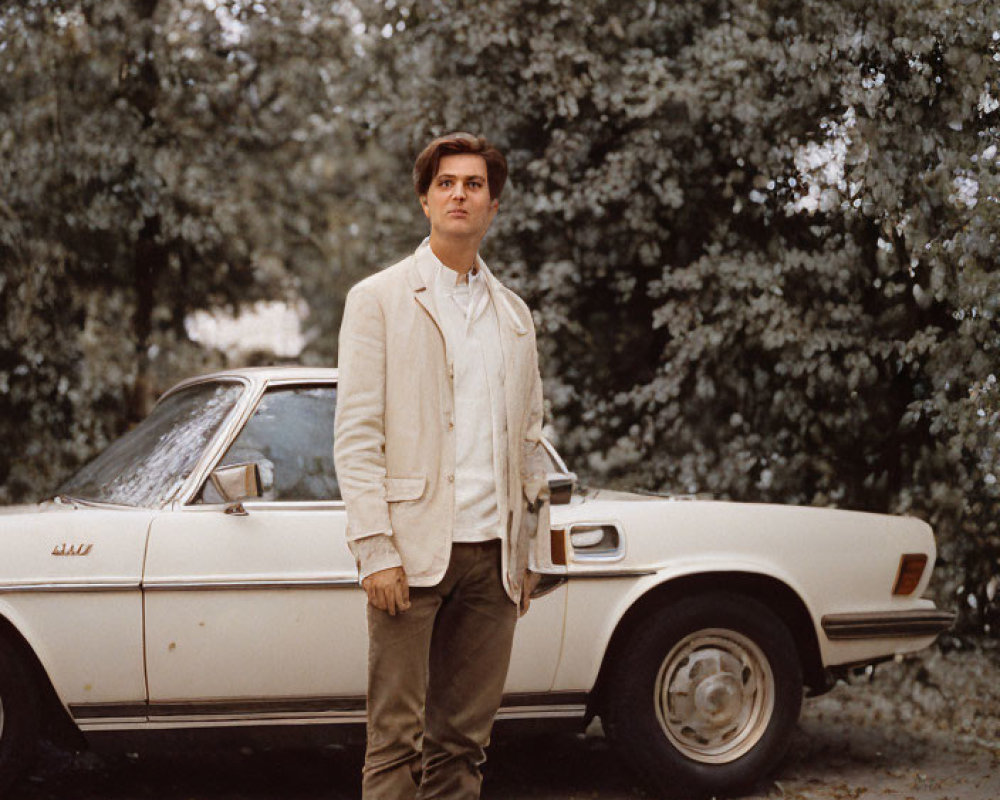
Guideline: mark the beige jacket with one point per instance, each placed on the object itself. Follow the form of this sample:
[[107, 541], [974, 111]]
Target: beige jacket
[[394, 445]]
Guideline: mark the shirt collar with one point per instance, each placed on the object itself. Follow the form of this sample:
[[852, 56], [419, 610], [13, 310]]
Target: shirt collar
[[448, 279]]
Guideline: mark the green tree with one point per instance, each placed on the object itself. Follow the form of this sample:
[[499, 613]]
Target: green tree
[[156, 157], [757, 236]]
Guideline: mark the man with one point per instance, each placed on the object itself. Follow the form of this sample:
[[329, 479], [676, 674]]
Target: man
[[439, 458]]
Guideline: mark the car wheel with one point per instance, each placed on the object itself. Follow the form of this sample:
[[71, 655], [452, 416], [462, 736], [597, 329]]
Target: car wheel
[[18, 716], [706, 695]]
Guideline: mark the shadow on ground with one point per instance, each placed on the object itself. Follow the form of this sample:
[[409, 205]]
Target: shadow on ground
[[539, 766], [926, 728]]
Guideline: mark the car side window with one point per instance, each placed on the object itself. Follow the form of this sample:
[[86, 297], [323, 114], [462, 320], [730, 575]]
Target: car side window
[[290, 436]]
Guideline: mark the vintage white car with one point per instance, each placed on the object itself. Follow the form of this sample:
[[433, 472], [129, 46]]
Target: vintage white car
[[195, 578]]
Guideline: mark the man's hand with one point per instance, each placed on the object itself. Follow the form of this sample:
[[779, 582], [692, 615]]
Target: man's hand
[[530, 582], [388, 590]]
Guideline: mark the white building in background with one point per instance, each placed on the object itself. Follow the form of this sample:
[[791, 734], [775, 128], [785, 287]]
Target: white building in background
[[272, 325]]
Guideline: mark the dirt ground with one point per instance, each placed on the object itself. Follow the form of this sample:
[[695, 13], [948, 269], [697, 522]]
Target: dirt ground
[[927, 728]]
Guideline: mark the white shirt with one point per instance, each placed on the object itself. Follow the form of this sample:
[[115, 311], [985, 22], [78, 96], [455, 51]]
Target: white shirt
[[472, 333]]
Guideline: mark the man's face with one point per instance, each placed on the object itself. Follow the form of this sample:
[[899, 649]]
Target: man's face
[[458, 201]]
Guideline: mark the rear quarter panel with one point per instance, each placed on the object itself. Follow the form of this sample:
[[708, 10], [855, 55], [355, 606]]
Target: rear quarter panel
[[835, 561]]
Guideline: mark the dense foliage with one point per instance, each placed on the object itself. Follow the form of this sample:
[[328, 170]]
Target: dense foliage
[[155, 159], [759, 236]]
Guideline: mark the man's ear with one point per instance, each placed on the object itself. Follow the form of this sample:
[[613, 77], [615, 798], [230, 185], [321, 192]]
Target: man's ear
[[423, 205]]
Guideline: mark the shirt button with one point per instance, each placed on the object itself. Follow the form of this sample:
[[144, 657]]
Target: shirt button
[[451, 478]]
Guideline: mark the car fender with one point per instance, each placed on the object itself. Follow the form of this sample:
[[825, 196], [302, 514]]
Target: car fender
[[70, 588], [589, 634]]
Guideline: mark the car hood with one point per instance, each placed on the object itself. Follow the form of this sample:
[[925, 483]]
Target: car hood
[[32, 508]]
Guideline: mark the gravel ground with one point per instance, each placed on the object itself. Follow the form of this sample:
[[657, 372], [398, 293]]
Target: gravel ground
[[927, 728]]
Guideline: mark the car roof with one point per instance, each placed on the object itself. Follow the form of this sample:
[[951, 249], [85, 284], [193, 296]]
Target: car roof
[[257, 375]]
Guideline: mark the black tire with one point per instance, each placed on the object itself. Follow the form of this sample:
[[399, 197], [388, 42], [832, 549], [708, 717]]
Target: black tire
[[705, 695], [18, 716]]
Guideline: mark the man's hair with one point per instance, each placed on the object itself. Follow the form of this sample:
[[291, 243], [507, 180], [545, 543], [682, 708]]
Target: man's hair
[[426, 165]]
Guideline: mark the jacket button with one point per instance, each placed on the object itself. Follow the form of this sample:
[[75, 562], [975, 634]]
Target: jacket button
[[451, 478], [451, 425]]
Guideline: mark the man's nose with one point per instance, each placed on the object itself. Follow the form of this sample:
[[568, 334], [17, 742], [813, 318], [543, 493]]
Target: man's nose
[[459, 191]]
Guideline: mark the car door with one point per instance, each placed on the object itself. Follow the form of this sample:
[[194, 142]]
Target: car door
[[260, 614]]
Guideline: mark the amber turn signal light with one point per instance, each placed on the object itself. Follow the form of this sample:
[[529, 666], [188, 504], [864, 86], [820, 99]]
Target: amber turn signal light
[[558, 546], [911, 568]]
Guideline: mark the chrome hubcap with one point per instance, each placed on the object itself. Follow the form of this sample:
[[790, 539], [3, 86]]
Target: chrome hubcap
[[714, 695]]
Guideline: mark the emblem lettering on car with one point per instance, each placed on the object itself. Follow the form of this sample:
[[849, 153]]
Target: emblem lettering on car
[[72, 549]]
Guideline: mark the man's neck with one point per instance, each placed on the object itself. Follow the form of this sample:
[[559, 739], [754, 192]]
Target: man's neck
[[459, 256]]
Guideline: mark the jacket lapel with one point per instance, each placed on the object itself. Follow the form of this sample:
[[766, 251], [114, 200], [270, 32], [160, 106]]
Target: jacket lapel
[[421, 274], [511, 333], [510, 323]]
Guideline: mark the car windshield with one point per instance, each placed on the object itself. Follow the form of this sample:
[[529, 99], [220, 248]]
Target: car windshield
[[146, 466]]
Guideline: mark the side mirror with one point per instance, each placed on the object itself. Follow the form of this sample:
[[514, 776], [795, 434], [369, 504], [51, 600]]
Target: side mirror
[[235, 483], [561, 486]]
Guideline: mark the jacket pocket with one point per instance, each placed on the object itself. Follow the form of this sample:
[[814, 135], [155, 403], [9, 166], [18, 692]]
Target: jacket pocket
[[400, 489]]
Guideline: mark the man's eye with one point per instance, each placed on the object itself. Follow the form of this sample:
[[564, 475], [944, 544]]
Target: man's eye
[[475, 185], [445, 183]]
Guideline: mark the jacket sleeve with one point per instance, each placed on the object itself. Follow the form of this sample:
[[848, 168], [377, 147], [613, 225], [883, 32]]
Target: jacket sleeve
[[534, 460], [359, 432]]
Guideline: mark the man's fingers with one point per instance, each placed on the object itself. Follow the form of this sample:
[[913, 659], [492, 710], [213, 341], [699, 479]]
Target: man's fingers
[[392, 598], [370, 585], [403, 586], [388, 590]]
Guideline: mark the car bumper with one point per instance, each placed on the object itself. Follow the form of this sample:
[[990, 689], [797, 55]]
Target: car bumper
[[890, 624]]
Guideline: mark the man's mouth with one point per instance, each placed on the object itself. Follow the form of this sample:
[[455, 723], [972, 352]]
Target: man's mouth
[[458, 212]]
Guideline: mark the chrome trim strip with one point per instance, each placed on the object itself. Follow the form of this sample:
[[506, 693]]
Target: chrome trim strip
[[12, 588], [212, 377], [268, 505], [881, 624], [98, 726], [291, 705], [345, 582], [542, 712], [610, 573], [300, 381], [317, 710], [295, 505]]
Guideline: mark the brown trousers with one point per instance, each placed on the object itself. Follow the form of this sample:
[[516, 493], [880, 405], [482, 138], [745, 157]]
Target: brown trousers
[[435, 681]]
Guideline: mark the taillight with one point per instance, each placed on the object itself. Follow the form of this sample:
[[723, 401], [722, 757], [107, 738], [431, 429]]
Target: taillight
[[911, 568]]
